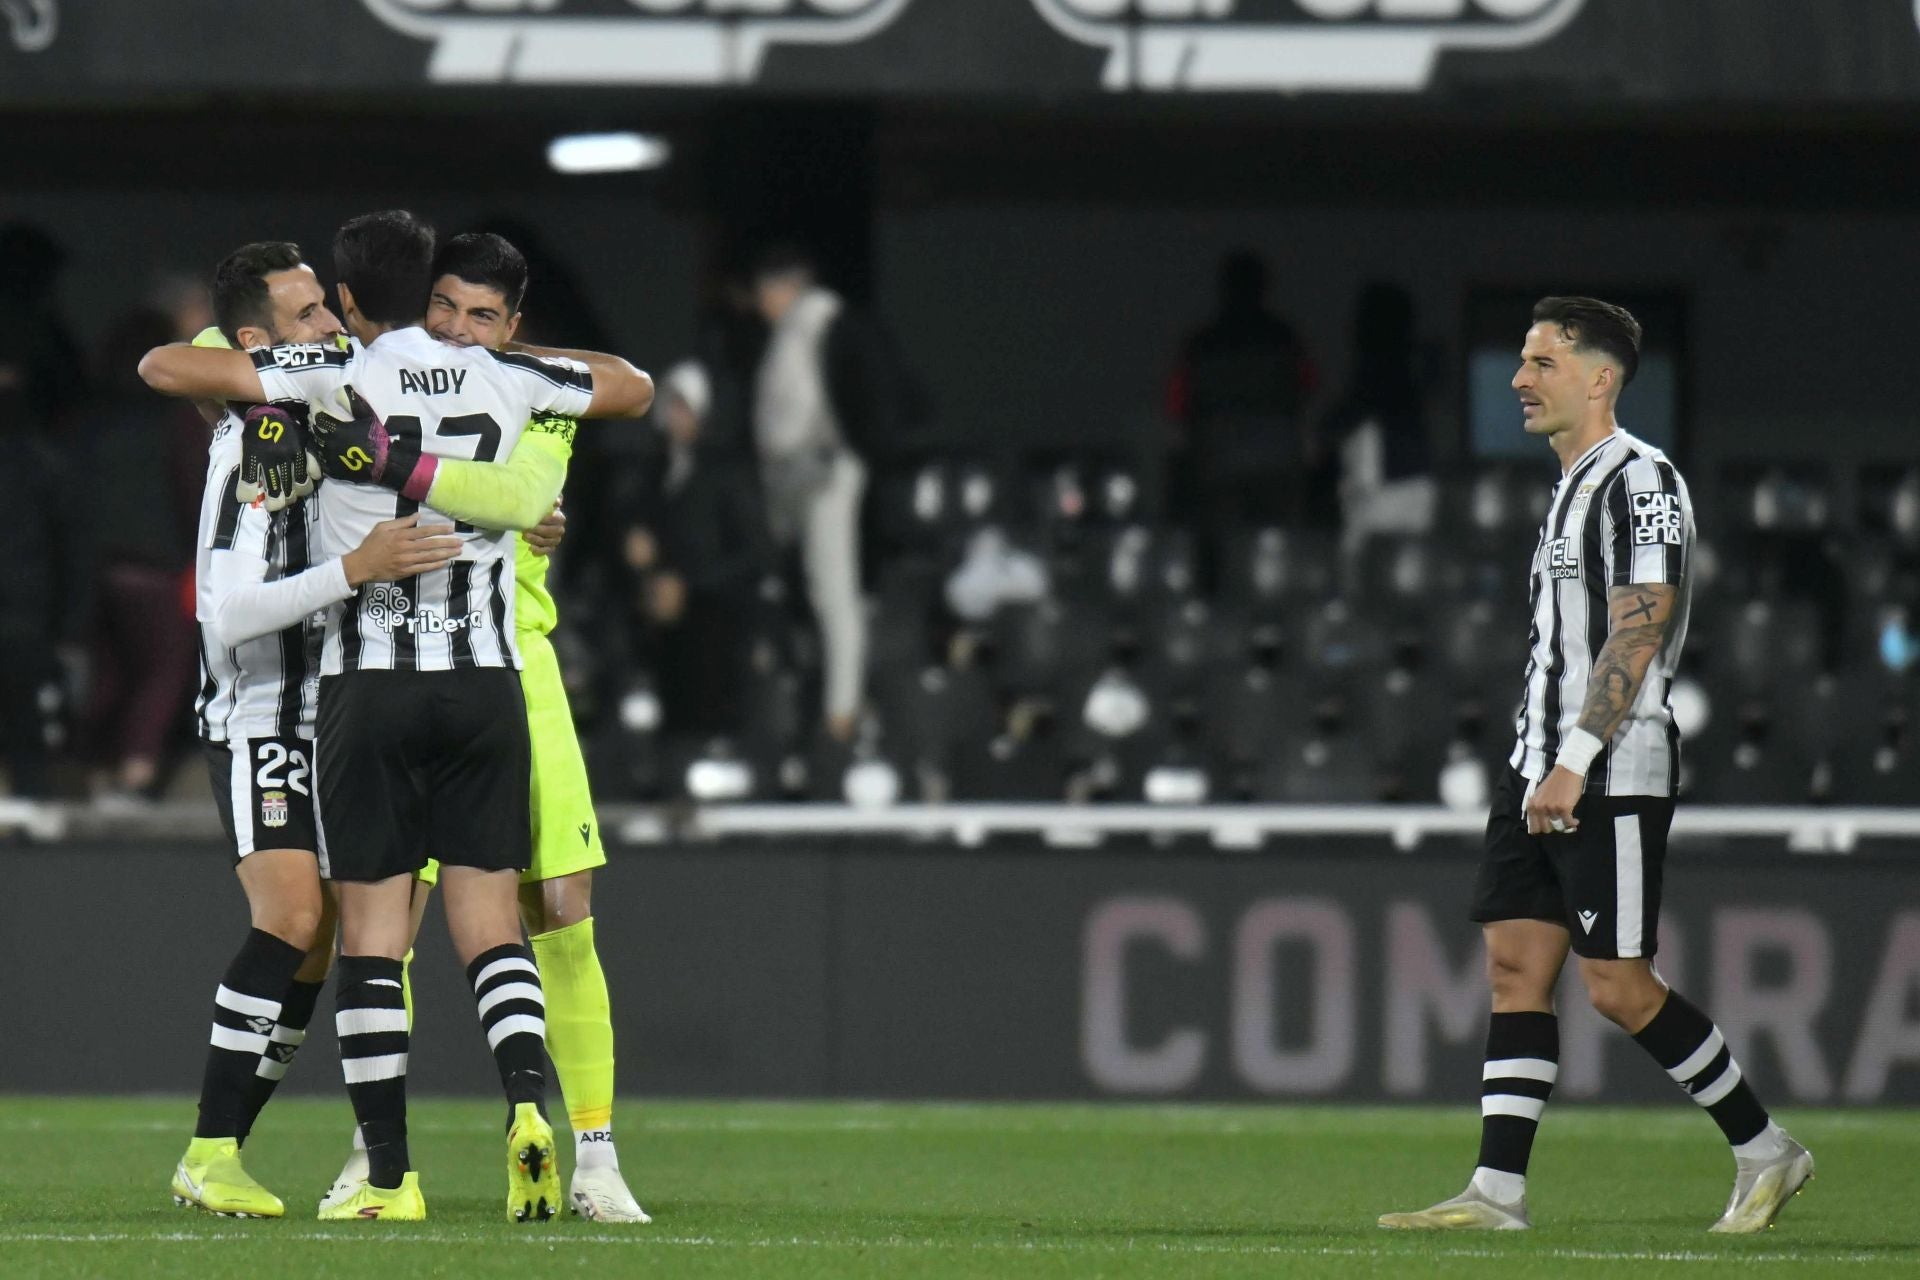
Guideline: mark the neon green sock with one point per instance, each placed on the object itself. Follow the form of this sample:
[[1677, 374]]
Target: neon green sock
[[406, 985], [579, 1022]]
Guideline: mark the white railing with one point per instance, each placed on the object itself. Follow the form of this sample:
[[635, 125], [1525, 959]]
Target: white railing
[[1246, 827]]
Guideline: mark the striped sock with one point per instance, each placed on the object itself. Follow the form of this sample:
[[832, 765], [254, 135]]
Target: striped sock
[[1685, 1042], [513, 1013], [1523, 1060], [289, 1033], [371, 1019], [246, 1008]]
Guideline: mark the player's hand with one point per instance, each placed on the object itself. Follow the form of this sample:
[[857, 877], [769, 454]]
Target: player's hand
[[276, 469], [397, 549], [545, 536], [361, 450], [1550, 807]]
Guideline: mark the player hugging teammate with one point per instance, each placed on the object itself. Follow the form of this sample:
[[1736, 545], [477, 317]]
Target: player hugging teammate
[[416, 740]]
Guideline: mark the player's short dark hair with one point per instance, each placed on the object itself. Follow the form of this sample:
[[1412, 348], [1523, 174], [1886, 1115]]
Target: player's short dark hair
[[1593, 325], [481, 257], [386, 260], [239, 290]]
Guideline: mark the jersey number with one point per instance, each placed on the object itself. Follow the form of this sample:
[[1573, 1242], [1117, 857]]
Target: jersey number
[[273, 758], [464, 424]]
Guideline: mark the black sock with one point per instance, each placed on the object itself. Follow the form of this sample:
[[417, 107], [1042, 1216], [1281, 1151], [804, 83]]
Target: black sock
[[296, 1012], [245, 1010], [1685, 1042], [513, 1013], [1523, 1060], [370, 1015]]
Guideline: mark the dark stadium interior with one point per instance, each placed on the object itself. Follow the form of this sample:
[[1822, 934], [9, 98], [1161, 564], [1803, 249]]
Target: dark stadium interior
[[1038, 271]]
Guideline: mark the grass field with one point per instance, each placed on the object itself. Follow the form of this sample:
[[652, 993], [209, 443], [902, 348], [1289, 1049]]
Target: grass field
[[834, 1189]]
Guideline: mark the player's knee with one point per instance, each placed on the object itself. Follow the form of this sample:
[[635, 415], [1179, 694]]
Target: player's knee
[[1626, 998], [295, 923], [1513, 980]]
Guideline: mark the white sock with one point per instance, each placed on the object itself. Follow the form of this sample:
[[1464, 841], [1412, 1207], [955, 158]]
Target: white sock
[[593, 1149], [1769, 1144], [359, 1139], [1500, 1186]]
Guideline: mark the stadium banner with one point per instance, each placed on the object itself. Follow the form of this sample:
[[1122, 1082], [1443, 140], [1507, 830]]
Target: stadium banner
[[1553, 52], [1335, 971]]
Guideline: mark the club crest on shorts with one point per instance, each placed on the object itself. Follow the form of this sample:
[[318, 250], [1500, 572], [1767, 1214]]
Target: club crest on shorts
[[1294, 45], [671, 42], [273, 808]]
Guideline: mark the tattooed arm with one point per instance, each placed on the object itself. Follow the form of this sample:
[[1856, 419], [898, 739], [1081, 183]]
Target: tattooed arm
[[1638, 616]]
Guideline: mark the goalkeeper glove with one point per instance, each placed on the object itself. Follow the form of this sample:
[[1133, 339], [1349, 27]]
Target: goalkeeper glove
[[362, 450], [276, 470]]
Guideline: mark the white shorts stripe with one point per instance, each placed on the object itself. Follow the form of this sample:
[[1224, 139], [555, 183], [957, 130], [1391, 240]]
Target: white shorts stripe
[[367, 1022], [1697, 1060], [518, 1024], [511, 964], [1629, 887], [1512, 1104], [270, 1068], [1521, 1069], [511, 991], [1719, 1088], [238, 1041], [366, 1070], [253, 1006], [240, 794]]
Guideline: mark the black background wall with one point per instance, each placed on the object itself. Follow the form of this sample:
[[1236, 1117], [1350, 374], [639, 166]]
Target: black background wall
[[1320, 971]]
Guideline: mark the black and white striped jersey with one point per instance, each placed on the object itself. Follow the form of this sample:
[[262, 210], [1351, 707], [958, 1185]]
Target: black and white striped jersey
[[1620, 516], [458, 402], [266, 685]]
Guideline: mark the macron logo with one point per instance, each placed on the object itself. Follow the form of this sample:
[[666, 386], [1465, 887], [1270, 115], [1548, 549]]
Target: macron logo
[[1587, 918]]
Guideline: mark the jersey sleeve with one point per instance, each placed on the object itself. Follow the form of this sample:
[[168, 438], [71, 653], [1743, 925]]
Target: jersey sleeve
[[1646, 528], [310, 372], [551, 384], [240, 604], [515, 494]]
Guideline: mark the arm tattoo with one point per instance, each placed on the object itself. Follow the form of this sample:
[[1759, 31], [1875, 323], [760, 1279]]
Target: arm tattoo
[[1621, 665]]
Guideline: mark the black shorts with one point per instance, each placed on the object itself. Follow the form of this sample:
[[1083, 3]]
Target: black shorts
[[1602, 881], [263, 788], [419, 763]]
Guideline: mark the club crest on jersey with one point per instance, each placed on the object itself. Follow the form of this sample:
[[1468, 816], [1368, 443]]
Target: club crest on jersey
[[1657, 519], [676, 42], [273, 808], [1563, 558], [1294, 45]]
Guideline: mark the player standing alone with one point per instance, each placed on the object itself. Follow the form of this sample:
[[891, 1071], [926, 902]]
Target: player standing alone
[[1577, 836]]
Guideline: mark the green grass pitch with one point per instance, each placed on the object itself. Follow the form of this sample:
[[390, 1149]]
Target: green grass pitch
[[850, 1190]]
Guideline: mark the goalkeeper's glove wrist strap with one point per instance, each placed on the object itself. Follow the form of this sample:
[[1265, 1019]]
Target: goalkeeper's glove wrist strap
[[419, 482]]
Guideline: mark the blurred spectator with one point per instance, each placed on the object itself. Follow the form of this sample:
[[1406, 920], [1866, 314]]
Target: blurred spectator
[[43, 582], [184, 300], [146, 459], [1237, 397], [42, 371], [709, 557], [830, 391], [1379, 424]]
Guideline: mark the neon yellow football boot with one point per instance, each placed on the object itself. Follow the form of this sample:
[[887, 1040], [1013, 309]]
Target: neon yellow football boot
[[211, 1177], [532, 1180], [403, 1203]]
